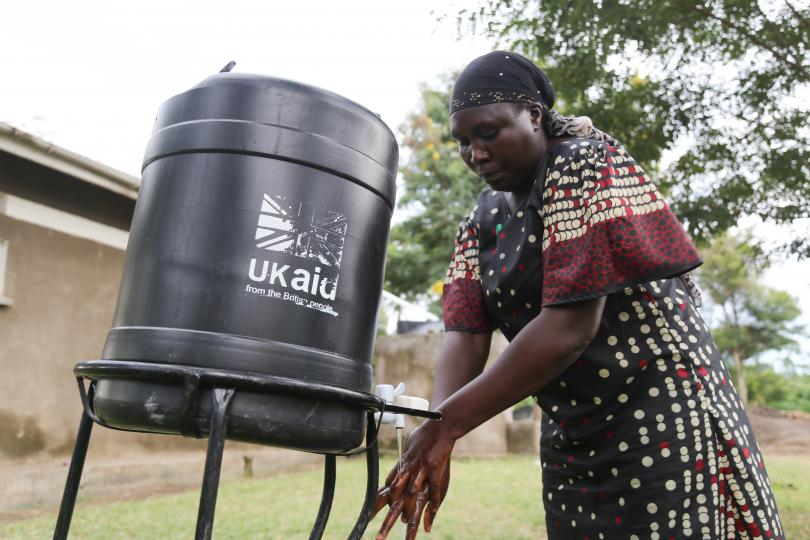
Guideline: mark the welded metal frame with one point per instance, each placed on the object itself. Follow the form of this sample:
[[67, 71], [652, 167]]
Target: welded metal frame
[[224, 385]]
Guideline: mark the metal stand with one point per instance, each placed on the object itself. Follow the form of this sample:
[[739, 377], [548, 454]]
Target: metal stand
[[73, 478], [326, 499], [224, 385], [373, 468], [213, 463]]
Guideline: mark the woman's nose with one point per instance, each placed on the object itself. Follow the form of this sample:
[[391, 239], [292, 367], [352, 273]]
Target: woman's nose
[[478, 154]]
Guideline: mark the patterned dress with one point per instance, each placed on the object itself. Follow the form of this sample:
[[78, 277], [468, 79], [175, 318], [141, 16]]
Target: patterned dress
[[644, 436]]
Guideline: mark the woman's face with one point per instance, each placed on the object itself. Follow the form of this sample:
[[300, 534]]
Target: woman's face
[[500, 144]]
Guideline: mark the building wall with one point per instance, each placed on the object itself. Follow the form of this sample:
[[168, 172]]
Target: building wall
[[64, 292], [412, 359]]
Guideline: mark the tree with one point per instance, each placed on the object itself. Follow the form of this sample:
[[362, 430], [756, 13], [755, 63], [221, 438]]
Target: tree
[[439, 192], [722, 76], [788, 391], [754, 318]]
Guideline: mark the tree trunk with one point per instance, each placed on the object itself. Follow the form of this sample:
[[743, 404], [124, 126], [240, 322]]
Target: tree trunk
[[742, 388]]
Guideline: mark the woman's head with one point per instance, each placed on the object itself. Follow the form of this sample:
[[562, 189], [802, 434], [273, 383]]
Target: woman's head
[[485, 91], [496, 114], [501, 77]]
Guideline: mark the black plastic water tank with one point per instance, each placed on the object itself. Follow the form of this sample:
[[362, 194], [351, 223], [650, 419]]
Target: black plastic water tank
[[257, 245]]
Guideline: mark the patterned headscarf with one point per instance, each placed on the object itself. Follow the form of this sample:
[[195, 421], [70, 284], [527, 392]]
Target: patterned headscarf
[[507, 77]]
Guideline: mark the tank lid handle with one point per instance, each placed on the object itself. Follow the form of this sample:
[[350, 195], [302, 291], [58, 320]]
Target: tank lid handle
[[228, 67]]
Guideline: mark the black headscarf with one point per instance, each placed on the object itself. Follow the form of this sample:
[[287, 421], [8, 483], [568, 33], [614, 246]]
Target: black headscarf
[[501, 76]]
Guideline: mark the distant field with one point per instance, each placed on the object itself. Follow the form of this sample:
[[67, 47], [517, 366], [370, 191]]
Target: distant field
[[505, 506]]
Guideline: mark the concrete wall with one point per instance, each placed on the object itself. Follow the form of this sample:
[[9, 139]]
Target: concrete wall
[[64, 292], [412, 359]]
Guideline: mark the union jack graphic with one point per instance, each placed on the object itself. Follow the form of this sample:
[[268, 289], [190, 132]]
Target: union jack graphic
[[301, 229]]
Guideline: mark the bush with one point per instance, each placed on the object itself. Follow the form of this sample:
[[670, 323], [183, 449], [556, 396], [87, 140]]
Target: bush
[[781, 391]]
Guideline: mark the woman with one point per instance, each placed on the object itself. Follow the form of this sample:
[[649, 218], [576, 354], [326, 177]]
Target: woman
[[575, 257]]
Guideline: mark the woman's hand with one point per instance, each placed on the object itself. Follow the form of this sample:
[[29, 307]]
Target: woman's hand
[[420, 485]]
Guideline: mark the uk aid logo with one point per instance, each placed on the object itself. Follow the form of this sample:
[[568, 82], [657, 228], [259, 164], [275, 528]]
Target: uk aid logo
[[314, 237]]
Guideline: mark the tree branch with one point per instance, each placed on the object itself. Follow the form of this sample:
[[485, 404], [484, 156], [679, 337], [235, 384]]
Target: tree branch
[[796, 13], [776, 32], [803, 74]]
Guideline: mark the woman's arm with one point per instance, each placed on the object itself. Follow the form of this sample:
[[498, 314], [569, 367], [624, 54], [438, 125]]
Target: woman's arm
[[542, 350], [462, 358]]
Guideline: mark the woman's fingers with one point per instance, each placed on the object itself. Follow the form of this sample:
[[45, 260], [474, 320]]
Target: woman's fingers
[[415, 517], [438, 481], [382, 500], [390, 519], [399, 484], [418, 482], [435, 500], [387, 494], [430, 515], [435, 481], [392, 474], [412, 497]]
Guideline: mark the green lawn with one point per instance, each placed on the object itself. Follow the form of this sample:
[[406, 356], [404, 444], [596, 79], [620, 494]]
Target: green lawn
[[505, 506]]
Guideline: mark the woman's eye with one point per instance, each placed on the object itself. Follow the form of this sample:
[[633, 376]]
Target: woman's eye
[[489, 134]]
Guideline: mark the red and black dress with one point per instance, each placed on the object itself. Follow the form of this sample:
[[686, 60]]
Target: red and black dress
[[643, 436]]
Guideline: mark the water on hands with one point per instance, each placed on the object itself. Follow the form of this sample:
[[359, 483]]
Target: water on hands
[[399, 450]]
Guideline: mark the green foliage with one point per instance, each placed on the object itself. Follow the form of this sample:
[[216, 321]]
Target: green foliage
[[798, 396], [439, 192], [754, 318], [765, 386], [787, 391], [724, 76], [765, 325]]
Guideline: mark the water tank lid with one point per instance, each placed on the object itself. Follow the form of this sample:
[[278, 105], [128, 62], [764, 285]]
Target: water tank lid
[[268, 116]]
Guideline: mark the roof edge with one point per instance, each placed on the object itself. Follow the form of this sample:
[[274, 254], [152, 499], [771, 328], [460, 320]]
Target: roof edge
[[40, 151]]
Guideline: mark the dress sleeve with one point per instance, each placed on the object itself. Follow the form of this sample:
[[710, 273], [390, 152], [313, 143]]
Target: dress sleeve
[[462, 298], [606, 226]]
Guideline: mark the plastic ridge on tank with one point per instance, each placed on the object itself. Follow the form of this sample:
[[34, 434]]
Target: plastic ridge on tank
[[360, 155], [257, 245]]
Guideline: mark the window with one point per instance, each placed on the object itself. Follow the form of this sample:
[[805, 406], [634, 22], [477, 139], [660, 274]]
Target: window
[[4, 300]]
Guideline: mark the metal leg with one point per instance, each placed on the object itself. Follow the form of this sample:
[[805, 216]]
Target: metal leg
[[213, 462], [326, 499], [74, 478], [373, 470]]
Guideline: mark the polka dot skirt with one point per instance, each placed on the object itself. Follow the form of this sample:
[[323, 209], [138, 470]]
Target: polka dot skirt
[[645, 437]]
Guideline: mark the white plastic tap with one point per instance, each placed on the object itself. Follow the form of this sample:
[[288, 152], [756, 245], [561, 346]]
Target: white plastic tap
[[396, 396], [389, 394]]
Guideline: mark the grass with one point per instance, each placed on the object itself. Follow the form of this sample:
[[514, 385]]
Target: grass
[[506, 506], [494, 499], [790, 480]]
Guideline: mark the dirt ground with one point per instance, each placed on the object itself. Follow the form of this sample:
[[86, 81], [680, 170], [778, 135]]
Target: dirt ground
[[34, 485], [780, 432]]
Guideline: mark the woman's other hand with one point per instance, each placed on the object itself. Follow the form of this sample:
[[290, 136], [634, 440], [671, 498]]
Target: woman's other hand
[[420, 485]]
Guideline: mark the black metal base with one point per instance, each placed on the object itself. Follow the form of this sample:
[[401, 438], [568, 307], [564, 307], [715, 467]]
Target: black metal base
[[225, 384]]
